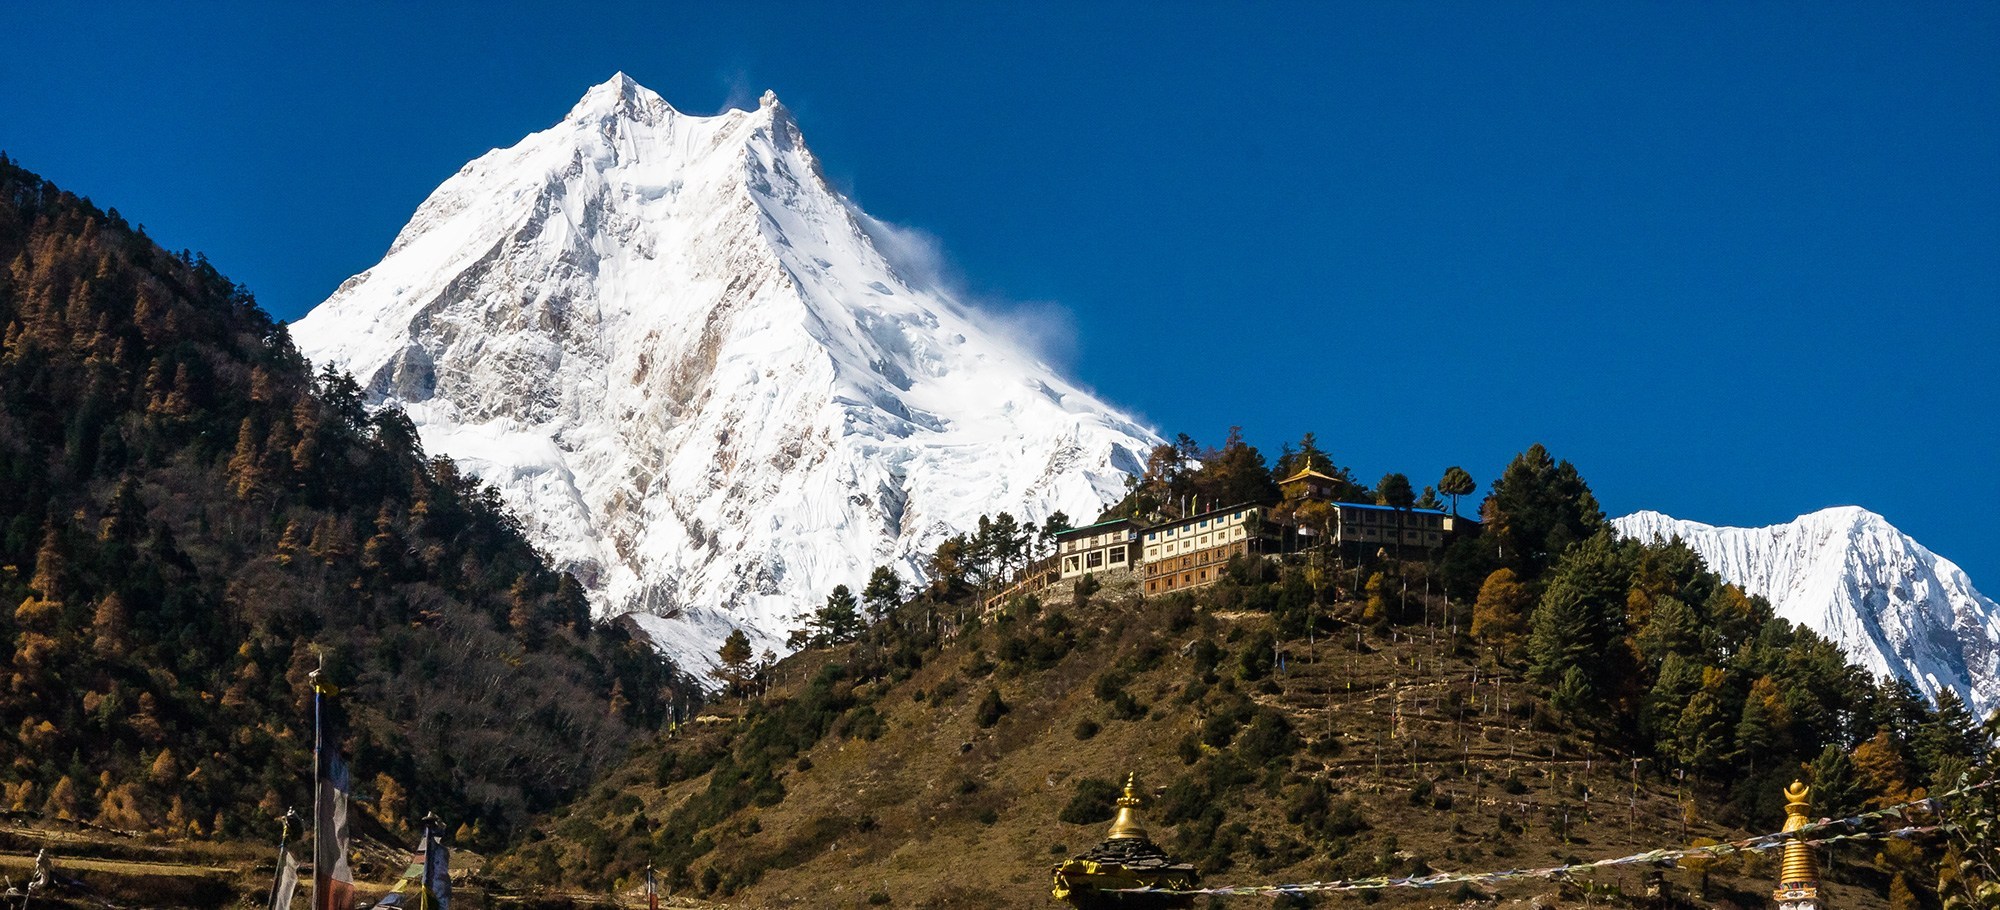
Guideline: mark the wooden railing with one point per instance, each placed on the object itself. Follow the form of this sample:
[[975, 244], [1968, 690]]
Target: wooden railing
[[1033, 577]]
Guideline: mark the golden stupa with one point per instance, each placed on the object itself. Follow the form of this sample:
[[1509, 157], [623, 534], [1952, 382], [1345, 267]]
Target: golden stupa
[[1126, 859], [1798, 875]]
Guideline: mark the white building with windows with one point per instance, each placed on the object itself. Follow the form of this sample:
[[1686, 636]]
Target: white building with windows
[[1100, 547], [1192, 552]]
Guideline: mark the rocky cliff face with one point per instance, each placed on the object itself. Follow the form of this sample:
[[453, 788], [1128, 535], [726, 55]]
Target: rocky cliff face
[[1894, 606], [705, 381]]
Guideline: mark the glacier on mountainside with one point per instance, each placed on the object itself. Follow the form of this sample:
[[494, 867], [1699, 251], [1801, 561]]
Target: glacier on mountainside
[[1895, 607], [703, 379]]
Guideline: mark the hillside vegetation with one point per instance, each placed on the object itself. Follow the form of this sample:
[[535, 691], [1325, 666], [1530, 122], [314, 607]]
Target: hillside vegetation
[[191, 520], [1572, 696]]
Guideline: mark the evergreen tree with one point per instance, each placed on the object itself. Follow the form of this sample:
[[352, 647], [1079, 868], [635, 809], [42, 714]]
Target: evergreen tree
[[1429, 500], [1672, 628], [1580, 618], [1002, 543], [1760, 731], [991, 708], [1456, 483], [883, 593], [1701, 732], [1836, 793], [949, 567], [1394, 490], [839, 620], [1971, 874], [1680, 678], [1537, 509], [735, 654], [1234, 475], [1946, 739], [1574, 695], [1052, 527]]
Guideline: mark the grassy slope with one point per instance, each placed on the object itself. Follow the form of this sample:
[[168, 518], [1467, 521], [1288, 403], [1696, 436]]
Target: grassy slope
[[940, 812]]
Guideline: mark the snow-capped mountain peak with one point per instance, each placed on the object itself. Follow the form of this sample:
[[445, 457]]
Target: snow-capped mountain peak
[[699, 374], [619, 96], [1894, 606]]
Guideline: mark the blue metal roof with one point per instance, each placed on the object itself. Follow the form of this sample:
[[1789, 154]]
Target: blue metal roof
[[1363, 505]]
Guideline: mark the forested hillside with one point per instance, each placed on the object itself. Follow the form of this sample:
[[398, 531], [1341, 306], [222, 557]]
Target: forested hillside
[[1536, 695], [190, 520]]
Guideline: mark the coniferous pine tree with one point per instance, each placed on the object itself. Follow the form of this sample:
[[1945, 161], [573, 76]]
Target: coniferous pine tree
[[1537, 509], [735, 654], [1455, 483], [839, 620], [1581, 616], [883, 593], [1394, 490]]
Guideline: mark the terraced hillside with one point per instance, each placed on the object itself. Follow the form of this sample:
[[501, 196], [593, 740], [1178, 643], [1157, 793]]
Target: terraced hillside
[[886, 772]]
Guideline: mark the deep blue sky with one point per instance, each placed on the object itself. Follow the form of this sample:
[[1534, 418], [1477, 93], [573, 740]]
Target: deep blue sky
[[1737, 261]]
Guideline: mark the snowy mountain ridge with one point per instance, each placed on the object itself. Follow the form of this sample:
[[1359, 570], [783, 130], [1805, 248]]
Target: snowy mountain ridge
[[695, 372], [1895, 607]]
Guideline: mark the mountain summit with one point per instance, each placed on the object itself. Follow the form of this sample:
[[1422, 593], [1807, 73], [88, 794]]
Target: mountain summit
[[704, 380], [1896, 608]]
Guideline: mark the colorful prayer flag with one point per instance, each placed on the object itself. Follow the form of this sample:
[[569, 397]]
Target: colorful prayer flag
[[333, 880], [437, 871]]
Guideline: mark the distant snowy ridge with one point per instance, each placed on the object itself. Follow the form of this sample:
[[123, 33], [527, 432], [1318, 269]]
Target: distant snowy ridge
[[700, 376], [1895, 607]]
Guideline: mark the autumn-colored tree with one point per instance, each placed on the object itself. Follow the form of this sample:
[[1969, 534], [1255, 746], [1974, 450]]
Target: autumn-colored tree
[[43, 607], [121, 809], [1375, 608], [619, 704], [110, 627], [65, 800], [1900, 895], [179, 401], [164, 769], [1500, 614], [1881, 771], [392, 803], [289, 543], [246, 466]]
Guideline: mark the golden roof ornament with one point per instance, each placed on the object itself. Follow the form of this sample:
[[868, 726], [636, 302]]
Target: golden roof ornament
[[1798, 874], [1127, 859], [1126, 824]]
